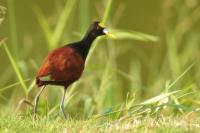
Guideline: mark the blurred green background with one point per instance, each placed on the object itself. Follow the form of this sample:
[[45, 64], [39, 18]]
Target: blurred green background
[[121, 72]]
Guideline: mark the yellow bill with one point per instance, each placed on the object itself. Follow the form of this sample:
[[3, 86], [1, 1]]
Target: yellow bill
[[108, 33]]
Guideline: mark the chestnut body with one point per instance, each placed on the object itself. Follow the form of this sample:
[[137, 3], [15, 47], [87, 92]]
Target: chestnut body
[[61, 67]]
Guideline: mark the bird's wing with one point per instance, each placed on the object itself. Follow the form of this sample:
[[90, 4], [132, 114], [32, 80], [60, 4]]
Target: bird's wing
[[62, 64], [45, 69]]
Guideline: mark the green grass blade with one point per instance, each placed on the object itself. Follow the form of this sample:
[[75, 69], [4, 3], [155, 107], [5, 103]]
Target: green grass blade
[[107, 12], [12, 85], [3, 97], [16, 69], [179, 77], [186, 94], [31, 86], [43, 23], [9, 86], [122, 34], [62, 22], [12, 26], [158, 98], [172, 54], [84, 15]]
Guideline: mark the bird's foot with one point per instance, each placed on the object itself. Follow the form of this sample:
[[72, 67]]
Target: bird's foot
[[35, 117], [65, 115]]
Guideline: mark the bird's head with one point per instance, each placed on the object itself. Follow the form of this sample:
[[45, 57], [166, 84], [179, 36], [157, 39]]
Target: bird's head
[[98, 29]]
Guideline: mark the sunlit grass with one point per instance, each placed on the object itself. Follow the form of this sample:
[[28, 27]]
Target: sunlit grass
[[169, 124]]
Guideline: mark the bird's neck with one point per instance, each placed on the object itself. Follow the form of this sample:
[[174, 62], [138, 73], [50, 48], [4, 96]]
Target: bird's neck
[[88, 39], [85, 44]]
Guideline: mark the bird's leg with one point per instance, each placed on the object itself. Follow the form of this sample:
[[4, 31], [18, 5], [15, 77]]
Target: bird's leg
[[62, 103], [37, 99]]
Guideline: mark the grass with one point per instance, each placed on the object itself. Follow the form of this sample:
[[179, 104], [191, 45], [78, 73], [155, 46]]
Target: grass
[[149, 87], [53, 37], [17, 124], [13, 27], [16, 69]]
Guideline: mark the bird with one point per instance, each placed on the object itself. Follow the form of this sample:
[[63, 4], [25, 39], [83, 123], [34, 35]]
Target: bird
[[63, 66]]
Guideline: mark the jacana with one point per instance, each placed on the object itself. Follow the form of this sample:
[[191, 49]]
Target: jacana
[[63, 66]]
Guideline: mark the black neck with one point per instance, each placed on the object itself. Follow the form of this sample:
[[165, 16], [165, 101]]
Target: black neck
[[88, 39], [84, 45]]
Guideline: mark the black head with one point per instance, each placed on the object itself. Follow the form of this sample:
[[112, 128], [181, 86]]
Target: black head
[[97, 29]]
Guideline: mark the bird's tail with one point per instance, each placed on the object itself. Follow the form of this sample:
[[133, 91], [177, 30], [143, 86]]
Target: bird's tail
[[38, 82]]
